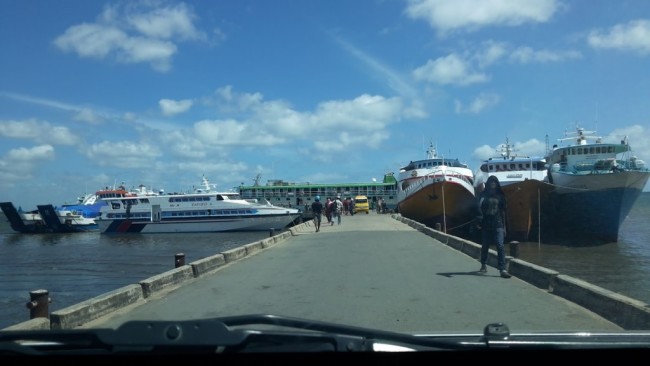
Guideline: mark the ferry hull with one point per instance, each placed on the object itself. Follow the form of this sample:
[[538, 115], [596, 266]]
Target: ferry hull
[[592, 207], [447, 203], [189, 225]]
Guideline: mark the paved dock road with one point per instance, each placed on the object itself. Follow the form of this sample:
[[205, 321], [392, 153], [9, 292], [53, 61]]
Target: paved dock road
[[371, 271]]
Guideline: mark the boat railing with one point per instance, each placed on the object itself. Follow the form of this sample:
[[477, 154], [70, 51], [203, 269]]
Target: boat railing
[[437, 175]]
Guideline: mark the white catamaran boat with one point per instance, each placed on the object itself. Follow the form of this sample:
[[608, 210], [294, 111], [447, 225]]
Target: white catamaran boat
[[204, 210], [595, 186]]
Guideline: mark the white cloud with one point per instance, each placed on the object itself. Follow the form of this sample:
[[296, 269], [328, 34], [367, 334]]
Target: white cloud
[[231, 132], [42, 132], [455, 69], [173, 21], [532, 147], [365, 113], [89, 116], [91, 40], [19, 164], [479, 104], [277, 122], [449, 70], [124, 154], [36, 153], [171, 107], [632, 36], [156, 52], [469, 15], [134, 32], [490, 53], [637, 136], [528, 55]]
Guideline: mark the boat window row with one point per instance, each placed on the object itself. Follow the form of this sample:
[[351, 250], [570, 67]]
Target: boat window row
[[189, 213], [591, 150], [449, 163], [208, 212], [135, 215], [506, 167], [110, 195], [191, 199]]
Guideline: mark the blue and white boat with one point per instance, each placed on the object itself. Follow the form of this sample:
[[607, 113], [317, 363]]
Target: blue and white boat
[[67, 218], [595, 185], [47, 219], [203, 210]]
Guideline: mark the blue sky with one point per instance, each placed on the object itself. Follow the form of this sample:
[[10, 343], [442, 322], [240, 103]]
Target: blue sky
[[94, 93]]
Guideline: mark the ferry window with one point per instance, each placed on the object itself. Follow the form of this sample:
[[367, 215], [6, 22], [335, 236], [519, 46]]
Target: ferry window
[[144, 200], [219, 197], [597, 149], [579, 151], [115, 205], [591, 150], [610, 149]]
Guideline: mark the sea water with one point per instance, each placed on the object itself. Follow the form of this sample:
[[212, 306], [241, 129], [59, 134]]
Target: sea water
[[78, 266]]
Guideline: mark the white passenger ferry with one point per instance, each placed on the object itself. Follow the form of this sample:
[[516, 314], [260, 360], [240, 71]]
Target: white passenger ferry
[[204, 210]]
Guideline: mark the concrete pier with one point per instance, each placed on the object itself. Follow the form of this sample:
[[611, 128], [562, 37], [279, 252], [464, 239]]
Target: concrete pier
[[376, 271]]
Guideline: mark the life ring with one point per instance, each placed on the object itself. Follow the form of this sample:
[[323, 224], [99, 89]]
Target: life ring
[[414, 173]]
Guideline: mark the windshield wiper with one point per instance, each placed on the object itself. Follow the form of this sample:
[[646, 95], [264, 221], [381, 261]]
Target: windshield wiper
[[279, 334]]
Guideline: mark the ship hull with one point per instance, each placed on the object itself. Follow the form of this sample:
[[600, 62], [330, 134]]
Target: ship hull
[[527, 204], [445, 202], [198, 225], [591, 208]]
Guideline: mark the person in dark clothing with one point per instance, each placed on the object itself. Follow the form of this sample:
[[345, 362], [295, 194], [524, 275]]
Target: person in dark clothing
[[491, 220], [317, 210]]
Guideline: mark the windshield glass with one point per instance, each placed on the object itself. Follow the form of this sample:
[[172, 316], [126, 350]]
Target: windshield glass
[[411, 166]]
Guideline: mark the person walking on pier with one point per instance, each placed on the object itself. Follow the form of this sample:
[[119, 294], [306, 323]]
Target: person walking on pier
[[337, 207], [328, 210], [317, 211], [491, 220]]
